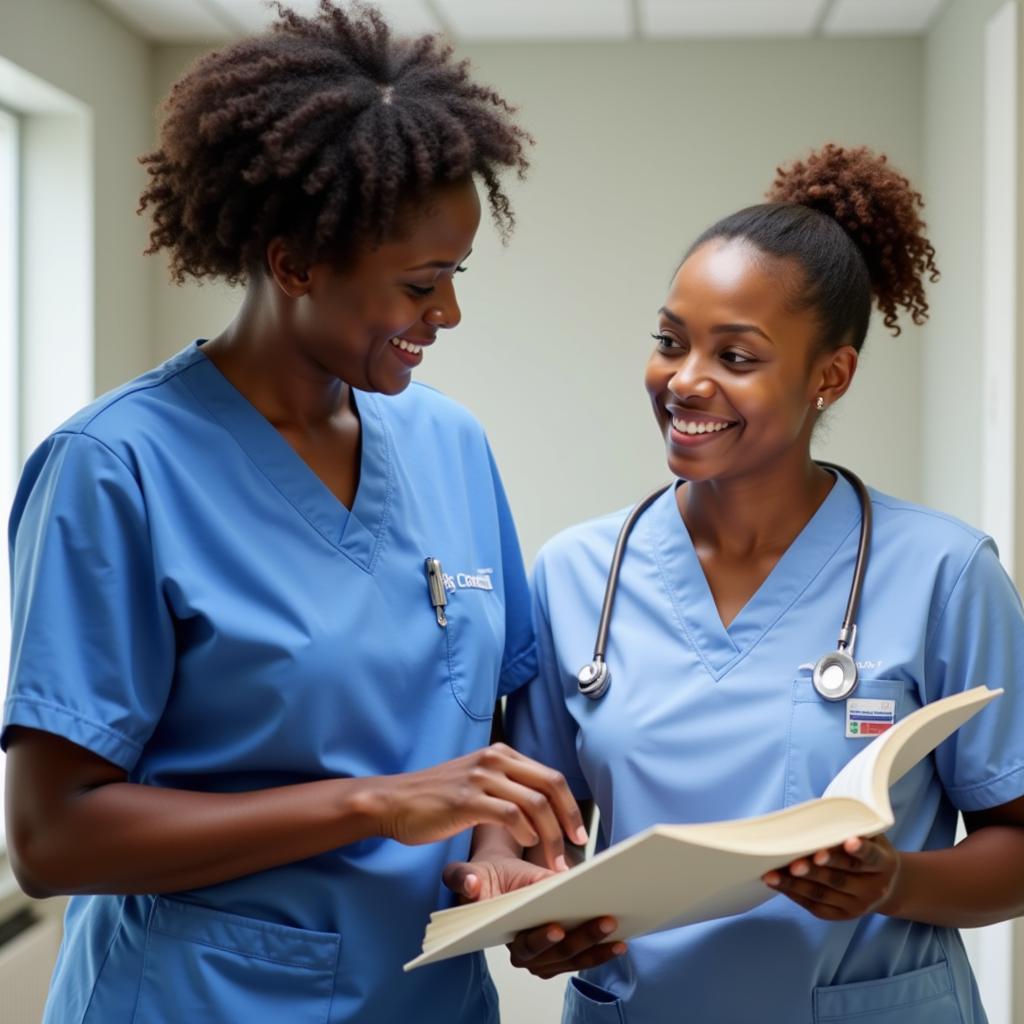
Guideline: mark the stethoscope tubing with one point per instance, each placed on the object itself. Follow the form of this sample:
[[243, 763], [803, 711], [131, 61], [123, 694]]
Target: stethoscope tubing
[[594, 678], [849, 626], [604, 623]]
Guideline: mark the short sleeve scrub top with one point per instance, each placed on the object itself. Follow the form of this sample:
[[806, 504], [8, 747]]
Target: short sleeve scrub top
[[704, 723], [194, 605]]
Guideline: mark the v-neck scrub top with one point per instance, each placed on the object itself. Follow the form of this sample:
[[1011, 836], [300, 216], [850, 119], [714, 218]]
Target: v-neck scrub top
[[705, 723], [194, 605]]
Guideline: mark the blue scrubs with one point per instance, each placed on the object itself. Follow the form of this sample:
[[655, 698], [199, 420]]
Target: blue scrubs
[[704, 723], [194, 605]]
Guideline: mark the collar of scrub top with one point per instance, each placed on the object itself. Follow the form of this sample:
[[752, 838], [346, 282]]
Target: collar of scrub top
[[358, 532], [835, 673]]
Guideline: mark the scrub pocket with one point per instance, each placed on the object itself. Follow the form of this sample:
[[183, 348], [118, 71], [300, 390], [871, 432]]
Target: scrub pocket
[[475, 639], [206, 965], [818, 748], [925, 996], [587, 1003]]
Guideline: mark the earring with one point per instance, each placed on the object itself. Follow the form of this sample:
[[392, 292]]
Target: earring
[[820, 403]]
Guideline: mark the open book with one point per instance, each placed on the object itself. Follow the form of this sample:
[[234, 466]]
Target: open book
[[671, 875]]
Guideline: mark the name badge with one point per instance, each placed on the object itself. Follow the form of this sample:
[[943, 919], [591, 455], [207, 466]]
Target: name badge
[[867, 718]]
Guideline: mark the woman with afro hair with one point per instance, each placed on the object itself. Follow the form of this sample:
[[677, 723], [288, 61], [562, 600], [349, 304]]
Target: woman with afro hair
[[267, 595], [734, 581]]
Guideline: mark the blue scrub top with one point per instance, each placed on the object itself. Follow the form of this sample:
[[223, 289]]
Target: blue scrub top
[[704, 723], [194, 605]]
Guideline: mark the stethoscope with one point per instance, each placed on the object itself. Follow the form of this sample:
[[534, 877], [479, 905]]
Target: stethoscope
[[835, 674]]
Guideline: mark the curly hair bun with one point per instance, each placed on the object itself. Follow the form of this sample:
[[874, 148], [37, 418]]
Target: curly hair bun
[[879, 209]]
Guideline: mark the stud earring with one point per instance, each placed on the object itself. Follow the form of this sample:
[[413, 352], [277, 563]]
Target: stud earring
[[820, 403]]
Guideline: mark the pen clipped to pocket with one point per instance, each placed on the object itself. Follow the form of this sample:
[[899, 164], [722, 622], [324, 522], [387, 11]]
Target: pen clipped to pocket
[[435, 584]]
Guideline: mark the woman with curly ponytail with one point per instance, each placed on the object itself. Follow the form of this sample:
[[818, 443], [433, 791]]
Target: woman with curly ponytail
[[267, 595], [734, 581]]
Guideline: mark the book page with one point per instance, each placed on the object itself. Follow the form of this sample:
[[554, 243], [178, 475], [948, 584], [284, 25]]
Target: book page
[[661, 878], [856, 779], [887, 758]]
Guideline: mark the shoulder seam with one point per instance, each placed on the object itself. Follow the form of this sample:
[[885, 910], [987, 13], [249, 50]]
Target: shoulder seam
[[103, 444], [114, 399], [930, 513]]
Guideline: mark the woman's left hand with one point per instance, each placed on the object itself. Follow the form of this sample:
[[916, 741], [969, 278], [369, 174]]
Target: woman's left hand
[[487, 877], [859, 877], [546, 951]]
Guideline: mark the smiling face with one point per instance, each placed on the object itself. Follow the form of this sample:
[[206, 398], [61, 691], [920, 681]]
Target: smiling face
[[736, 371], [369, 322]]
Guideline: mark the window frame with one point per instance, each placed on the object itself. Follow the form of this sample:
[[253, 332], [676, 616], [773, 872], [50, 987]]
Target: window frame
[[10, 366]]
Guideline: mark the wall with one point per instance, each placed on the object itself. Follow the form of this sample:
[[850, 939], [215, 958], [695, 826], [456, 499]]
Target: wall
[[639, 146], [954, 411], [951, 433], [81, 50]]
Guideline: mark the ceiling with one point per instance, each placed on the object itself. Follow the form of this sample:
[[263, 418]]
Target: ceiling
[[182, 21]]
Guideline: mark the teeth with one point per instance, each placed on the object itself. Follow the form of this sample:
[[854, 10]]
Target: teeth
[[407, 346], [703, 427]]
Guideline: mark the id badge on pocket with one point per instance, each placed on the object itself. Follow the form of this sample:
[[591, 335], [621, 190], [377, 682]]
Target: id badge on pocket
[[866, 718]]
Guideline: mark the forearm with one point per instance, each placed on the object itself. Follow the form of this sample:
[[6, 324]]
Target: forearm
[[128, 838], [978, 882], [75, 825]]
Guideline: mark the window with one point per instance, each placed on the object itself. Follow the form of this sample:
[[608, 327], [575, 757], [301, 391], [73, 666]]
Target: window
[[9, 375], [46, 234]]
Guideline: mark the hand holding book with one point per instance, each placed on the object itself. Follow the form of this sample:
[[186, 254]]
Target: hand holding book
[[671, 875], [855, 878], [545, 951]]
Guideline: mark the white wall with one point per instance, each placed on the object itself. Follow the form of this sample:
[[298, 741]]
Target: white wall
[[953, 413], [639, 146], [951, 352], [84, 52]]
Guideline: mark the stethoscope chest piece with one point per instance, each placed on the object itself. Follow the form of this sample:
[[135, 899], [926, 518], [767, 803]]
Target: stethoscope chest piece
[[594, 679], [835, 676]]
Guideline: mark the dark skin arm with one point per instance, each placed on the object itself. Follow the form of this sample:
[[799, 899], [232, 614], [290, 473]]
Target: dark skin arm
[[977, 882], [75, 825]]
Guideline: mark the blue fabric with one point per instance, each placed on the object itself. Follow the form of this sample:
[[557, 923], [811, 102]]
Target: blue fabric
[[193, 604], [704, 723]]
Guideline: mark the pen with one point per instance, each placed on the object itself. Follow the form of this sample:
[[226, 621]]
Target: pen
[[435, 584]]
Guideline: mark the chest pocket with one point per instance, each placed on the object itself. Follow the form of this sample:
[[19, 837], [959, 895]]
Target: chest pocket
[[818, 746], [474, 642]]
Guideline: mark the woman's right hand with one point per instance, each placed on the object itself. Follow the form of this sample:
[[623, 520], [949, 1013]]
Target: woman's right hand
[[551, 950], [78, 825], [494, 786]]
